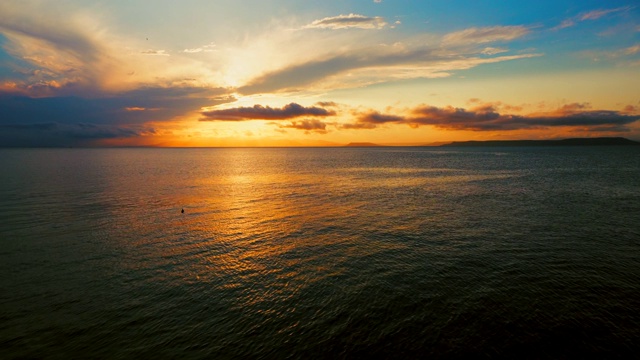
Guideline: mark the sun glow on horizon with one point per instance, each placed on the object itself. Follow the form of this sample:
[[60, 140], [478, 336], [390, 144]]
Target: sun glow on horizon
[[102, 75]]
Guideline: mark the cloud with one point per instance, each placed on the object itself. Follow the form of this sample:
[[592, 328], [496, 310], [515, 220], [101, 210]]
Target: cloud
[[351, 21], [370, 65], [486, 117], [632, 50], [624, 56], [155, 52], [56, 50], [129, 107], [485, 35], [590, 15], [74, 134], [205, 48], [325, 104], [300, 74], [20, 22], [359, 126], [259, 112], [60, 54], [312, 125], [597, 14], [421, 57], [565, 24], [85, 60], [493, 50], [374, 117]]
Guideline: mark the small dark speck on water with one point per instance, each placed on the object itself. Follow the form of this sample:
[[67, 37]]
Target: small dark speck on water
[[182, 211]]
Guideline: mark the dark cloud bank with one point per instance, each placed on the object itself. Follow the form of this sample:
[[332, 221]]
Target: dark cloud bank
[[80, 121], [75, 121], [61, 135], [487, 118], [289, 111]]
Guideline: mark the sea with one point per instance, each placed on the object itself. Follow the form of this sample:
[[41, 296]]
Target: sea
[[311, 253]]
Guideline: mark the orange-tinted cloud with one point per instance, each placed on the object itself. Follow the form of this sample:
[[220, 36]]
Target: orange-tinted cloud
[[311, 125], [259, 112], [486, 117], [485, 35], [374, 117]]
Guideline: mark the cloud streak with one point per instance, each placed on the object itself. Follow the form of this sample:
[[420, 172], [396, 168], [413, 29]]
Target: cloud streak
[[211, 47], [259, 112], [589, 15], [597, 14], [421, 57], [152, 52], [371, 65], [485, 35], [351, 21], [488, 118]]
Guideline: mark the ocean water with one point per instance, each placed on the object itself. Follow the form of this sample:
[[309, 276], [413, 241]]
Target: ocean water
[[320, 253]]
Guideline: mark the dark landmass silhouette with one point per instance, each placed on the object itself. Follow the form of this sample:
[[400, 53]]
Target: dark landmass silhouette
[[362, 144], [564, 142]]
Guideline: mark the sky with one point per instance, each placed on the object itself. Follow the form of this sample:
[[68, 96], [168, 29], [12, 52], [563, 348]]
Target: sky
[[316, 73]]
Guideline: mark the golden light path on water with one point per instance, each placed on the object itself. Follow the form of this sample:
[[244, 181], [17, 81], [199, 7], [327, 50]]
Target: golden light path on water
[[265, 220]]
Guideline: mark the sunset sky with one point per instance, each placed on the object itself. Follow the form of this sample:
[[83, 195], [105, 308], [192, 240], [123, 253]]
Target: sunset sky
[[313, 73]]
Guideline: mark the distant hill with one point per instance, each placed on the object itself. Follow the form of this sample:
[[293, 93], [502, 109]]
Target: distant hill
[[563, 142], [362, 144], [437, 143]]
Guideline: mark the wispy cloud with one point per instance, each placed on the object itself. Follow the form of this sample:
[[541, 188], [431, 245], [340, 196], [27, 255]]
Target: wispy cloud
[[622, 57], [590, 15], [155, 52], [367, 67], [597, 14], [493, 50], [565, 24], [632, 50], [351, 21], [260, 112], [485, 35], [211, 47], [373, 63]]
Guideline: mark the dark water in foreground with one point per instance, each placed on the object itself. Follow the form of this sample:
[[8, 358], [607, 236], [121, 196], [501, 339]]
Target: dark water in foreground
[[299, 253]]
